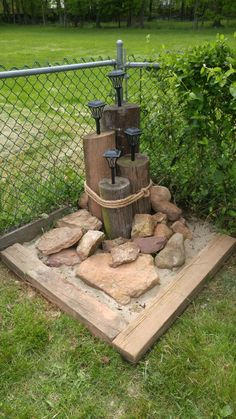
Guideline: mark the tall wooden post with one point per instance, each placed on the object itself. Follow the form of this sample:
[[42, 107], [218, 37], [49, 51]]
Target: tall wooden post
[[118, 119], [137, 172], [96, 167], [117, 222]]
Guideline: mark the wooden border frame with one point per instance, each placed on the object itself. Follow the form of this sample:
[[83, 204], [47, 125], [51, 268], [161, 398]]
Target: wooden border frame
[[132, 340], [30, 231]]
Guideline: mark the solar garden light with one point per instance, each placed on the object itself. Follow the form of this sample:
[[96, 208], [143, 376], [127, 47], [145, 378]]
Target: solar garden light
[[111, 156], [96, 107], [132, 135], [117, 77]]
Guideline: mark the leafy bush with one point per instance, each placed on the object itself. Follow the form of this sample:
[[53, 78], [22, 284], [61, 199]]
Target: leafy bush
[[190, 129]]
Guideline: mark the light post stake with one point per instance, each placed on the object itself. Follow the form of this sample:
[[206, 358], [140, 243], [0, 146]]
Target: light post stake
[[96, 107], [132, 135], [111, 156]]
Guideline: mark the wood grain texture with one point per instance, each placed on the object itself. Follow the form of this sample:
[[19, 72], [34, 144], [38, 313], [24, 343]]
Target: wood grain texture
[[137, 338], [117, 222], [99, 318], [137, 172], [118, 119], [30, 231], [96, 167]]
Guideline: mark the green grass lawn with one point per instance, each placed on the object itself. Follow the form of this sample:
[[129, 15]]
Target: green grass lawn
[[24, 45], [51, 367]]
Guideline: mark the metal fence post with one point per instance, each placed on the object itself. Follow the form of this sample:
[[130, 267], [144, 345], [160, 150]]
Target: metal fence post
[[120, 60], [119, 55]]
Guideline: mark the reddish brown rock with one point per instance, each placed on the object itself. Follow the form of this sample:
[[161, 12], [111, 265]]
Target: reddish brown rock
[[143, 225], [150, 245], [122, 283], [59, 238], [82, 219], [160, 217], [171, 210], [83, 201], [125, 253], [68, 257], [107, 245], [162, 230], [89, 243], [179, 227], [173, 254], [159, 193]]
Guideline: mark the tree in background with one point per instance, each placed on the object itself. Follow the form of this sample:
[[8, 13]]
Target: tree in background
[[131, 12]]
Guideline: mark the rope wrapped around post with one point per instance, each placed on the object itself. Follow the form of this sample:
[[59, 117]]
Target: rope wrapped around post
[[119, 203]]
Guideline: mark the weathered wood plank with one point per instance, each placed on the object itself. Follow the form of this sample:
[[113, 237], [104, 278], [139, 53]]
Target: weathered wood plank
[[137, 172], [99, 318], [30, 231], [117, 222], [134, 341], [96, 167]]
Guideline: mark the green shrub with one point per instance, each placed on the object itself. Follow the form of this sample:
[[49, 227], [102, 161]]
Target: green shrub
[[190, 129]]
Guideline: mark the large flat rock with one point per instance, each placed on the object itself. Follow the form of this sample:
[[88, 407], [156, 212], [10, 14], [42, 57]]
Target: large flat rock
[[82, 219], [68, 257], [126, 281], [59, 238]]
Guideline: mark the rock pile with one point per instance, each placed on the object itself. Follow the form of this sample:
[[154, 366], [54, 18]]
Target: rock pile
[[123, 268]]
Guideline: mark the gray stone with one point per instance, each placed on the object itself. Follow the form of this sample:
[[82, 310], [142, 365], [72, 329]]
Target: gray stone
[[150, 245], [159, 193], [107, 245], [83, 201], [180, 227], [173, 254], [82, 219], [161, 230], [171, 210], [68, 257], [143, 225], [89, 243], [160, 217], [59, 238], [125, 253], [121, 283]]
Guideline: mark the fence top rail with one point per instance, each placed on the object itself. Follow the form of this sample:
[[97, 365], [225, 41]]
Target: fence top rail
[[145, 64], [55, 69]]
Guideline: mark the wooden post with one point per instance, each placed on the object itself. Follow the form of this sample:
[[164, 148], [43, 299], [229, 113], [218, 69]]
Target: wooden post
[[137, 172], [117, 222], [96, 167], [118, 119]]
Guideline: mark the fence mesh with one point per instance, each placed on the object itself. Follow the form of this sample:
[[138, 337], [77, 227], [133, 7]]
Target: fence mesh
[[42, 121]]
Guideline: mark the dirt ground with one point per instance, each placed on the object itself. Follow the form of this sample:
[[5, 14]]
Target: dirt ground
[[202, 231]]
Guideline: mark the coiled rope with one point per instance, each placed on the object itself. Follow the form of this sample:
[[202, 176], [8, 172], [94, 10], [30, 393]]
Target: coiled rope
[[119, 203]]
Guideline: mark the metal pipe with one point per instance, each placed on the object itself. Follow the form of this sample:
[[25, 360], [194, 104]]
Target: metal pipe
[[145, 64], [113, 176], [120, 65], [54, 69], [132, 153], [98, 130], [119, 55], [119, 96]]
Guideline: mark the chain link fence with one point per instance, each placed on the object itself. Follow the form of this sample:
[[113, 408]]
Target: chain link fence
[[43, 117]]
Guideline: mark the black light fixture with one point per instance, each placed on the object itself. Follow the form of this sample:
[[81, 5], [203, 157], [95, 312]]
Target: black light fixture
[[133, 135], [111, 156], [96, 107], [117, 77]]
